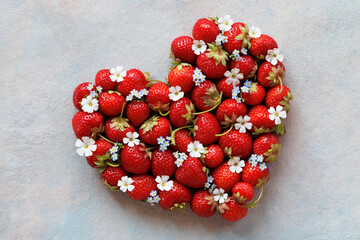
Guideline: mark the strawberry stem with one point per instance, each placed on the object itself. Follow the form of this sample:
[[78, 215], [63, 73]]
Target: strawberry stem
[[224, 133], [164, 114], [101, 136], [112, 165], [173, 133], [122, 110], [253, 204], [216, 105], [281, 85]]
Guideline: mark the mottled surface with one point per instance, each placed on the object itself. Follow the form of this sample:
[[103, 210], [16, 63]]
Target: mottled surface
[[48, 47]]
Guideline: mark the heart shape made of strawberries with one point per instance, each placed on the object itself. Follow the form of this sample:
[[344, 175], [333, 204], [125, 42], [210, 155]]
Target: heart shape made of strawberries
[[205, 136]]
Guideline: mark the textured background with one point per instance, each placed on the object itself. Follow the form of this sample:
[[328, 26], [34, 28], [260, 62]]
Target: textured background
[[48, 47]]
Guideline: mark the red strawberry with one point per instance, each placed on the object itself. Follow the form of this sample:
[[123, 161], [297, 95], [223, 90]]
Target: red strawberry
[[224, 178], [222, 86], [134, 79], [182, 139], [83, 123], [213, 63], [191, 173], [182, 76], [254, 175], [235, 143], [178, 195], [237, 37], [206, 128], [158, 97], [246, 65], [259, 117], [111, 103], [269, 75], [137, 112], [143, 185], [163, 163], [112, 175], [154, 128], [135, 159], [202, 204], [234, 211], [181, 112], [205, 96], [102, 147], [117, 128], [267, 145], [275, 96], [213, 156], [103, 80], [255, 96], [206, 30], [80, 92], [181, 48], [229, 110], [260, 46], [243, 192]]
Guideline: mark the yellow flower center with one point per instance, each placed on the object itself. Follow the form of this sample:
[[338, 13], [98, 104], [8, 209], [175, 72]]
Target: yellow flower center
[[233, 75], [227, 23], [118, 75], [131, 139], [86, 146], [195, 149], [90, 104], [126, 185], [242, 123], [163, 184], [277, 114], [199, 46], [274, 55], [235, 164], [176, 93]]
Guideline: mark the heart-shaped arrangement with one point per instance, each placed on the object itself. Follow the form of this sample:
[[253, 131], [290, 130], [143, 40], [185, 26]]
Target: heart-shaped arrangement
[[205, 137]]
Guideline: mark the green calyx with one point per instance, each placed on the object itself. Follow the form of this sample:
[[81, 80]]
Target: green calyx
[[150, 123], [179, 65], [253, 87], [280, 129], [112, 188], [272, 154], [253, 204], [286, 101], [189, 115], [218, 53], [276, 75], [244, 35], [262, 181], [238, 198], [119, 123], [215, 19], [103, 161], [180, 206], [261, 130], [211, 97]]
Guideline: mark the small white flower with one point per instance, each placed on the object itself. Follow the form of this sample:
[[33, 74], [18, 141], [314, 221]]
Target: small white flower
[[125, 184], [183, 156], [225, 39], [218, 41], [114, 149], [235, 90], [89, 104], [163, 183], [236, 53], [175, 93], [195, 149], [243, 123], [86, 146], [117, 74], [197, 71], [176, 154], [138, 95], [129, 98], [253, 157], [260, 158], [99, 89], [245, 89], [212, 187], [167, 143], [220, 195], [238, 58], [179, 162], [277, 114], [114, 157], [225, 23], [207, 185], [199, 46], [238, 100], [150, 200], [168, 138], [233, 77], [156, 199], [90, 86], [160, 140], [202, 78], [273, 56], [162, 148], [236, 164], [262, 166], [197, 83], [153, 193], [210, 179], [131, 139], [93, 94], [248, 83], [253, 164], [144, 92], [254, 32], [244, 51], [133, 92]]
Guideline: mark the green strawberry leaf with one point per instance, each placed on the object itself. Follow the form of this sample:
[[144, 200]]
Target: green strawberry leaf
[[280, 129]]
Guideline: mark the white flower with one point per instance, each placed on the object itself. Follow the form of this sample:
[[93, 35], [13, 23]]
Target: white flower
[[195, 149], [245, 89], [89, 104], [90, 86], [150, 200], [244, 51], [262, 166], [168, 138], [236, 53], [153, 193], [225, 23], [197, 71], [277, 114], [144, 92], [125, 184], [199, 46], [233, 77], [207, 185], [162, 148], [253, 157], [212, 187], [248, 83], [99, 89], [183, 156], [131, 139], [175, 93], [238, 58], [236, 164], [138, 95], [157, 199], [133, 92], [160, 140], [179, 162], [117, 74], [220, 195], [273, 56], [163, 183], [176, 154], [243, 123], [93, 94], [254, 32], [260, 158], [210, 179], [85, 146], [114, 157], [129, 98]]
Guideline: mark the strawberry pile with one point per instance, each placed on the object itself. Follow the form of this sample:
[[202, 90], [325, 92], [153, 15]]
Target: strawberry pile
[[204, 137]]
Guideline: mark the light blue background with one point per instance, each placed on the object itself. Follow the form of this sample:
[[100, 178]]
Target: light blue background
[[48, 47]]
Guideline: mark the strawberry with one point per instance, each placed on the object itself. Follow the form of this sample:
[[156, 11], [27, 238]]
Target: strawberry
[[111, 176], [134, 79], [83, 123], [235, 143], [177, 196], [137, 112], [277, 96], [269, 75], [153, 128], [243, 192], [135, 159], [237, 37], [143, 185], [229, 110], [80, 92], [267, 145], [224, 178], [213, 63], [260, 46], [259, 117], [206, 128], [191, 173], [182, 139], [181, 112], [163, 163], [181, 48], [222, 86], [255, 95], [254, 175], [246, 65], [213, 156], [103, 80], [202, 204], [117, 128], [158, 97], [234, 211], [111, 103], [102, 147], [182, 75], [205, 96], [206, 30]]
